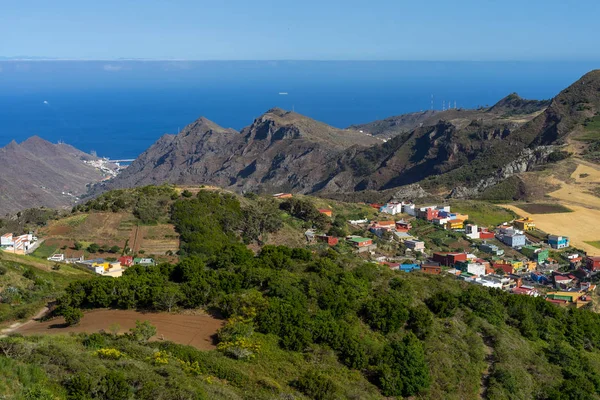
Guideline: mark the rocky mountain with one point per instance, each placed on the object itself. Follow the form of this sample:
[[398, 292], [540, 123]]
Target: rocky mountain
[[280, 151], [39, 173], [283, 151]]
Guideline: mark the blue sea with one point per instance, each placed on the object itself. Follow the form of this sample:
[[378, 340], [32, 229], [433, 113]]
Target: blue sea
[[119, 108]]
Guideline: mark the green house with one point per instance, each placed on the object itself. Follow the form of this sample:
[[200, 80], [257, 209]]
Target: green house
[[535, 253]]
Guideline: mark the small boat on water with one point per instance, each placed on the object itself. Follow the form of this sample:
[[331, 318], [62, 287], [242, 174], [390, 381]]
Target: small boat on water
[[283, 93]]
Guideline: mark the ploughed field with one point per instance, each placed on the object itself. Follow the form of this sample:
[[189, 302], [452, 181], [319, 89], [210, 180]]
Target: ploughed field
[[192, 330]]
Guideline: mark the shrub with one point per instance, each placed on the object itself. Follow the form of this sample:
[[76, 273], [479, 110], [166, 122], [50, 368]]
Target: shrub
[[442, 304], [186, 193], [316, 385], [72, 315], [108, 354], [143, 331]]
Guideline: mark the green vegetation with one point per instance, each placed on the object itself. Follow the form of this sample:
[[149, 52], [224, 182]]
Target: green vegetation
[[149, 204], [25, 289], [27, 220], [320, 324], [510, 189], [482, 213], [543, 208], [595, 243]]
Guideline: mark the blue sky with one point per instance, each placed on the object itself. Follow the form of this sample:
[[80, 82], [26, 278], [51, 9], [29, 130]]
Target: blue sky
[[303, 29]]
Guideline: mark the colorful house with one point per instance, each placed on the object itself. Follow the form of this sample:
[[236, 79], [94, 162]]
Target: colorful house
[[455, 224], [431, 269], [126, 261], [524, 224], [535, 253], [409, 267], [143, 261], [592, 263], [558, 242], [358, 241], [504, 266], [330, 240], [326, 211], [403, 226], [449, 259], [484, 234]]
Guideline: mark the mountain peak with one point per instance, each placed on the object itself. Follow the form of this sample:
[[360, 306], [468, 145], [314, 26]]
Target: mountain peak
[[515, 104]]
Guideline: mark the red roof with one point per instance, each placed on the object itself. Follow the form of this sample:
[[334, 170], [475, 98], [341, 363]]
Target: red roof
[[561, 278]]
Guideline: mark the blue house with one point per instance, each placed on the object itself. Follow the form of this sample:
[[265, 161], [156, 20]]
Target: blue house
[[558, 242], [409, 267]]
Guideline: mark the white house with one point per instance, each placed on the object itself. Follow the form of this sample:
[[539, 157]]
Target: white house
[[6, 240], [392, 208], [476, 269], [409, 208], [471, 231], [358, 221]]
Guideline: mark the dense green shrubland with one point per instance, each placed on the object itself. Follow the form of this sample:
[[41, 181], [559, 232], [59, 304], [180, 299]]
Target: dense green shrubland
[[328, 325]]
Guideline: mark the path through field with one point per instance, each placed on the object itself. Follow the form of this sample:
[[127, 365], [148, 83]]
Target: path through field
[[193, 330]]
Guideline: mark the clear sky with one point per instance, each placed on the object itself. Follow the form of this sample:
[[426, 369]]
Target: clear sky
[[302, 29]]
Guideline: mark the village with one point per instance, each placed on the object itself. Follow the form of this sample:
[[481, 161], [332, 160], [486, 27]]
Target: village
[[509, 256]]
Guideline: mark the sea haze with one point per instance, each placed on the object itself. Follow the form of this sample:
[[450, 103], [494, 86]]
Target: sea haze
[[119, 108]]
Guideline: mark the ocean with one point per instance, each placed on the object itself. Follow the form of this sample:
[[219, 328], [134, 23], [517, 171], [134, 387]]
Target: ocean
[[119, 108]]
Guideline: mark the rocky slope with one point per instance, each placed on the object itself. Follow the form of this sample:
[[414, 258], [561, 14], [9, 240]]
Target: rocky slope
[[280, 151], [284, 151], [39, 173]]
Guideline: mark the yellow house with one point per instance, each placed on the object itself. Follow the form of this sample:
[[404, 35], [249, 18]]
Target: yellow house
[[516, 264], [105, 265], [531, 265], [455, 224], [524, 224]]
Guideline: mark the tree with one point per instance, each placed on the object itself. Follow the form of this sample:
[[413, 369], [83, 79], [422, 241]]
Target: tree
[[114, 249], [143, 331], [420, 321], [186, 193], [402, 368], [72, 315], [168, 298], [93, 248], [442, 304], [78, 245]]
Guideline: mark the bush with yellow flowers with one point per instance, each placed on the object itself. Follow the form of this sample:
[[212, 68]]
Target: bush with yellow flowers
[[109, 354], [240, 348], [159, 358]]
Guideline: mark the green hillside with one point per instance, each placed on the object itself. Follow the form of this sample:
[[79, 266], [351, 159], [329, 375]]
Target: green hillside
[[316, 324]]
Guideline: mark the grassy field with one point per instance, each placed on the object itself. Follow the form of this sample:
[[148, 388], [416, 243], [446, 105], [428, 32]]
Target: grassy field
[[591, 130], [106, 228], [544, 208], [483, 213], [595, 243], [28, 284]]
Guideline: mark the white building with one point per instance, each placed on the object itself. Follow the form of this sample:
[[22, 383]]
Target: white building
[[392, 208], [409, 208], [6, 240], [476, 269], [471, 231], [358, 221]]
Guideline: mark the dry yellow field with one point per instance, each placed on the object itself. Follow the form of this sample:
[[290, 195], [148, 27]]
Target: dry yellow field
[[581, 225]]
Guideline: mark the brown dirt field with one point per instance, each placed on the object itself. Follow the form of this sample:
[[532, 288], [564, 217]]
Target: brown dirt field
[[108, 228], [583, 224], [192, 330], [543, 208]]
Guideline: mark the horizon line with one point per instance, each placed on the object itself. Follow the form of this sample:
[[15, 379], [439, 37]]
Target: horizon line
[[122, 59]]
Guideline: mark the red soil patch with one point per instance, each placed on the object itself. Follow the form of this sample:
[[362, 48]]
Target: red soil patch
[[193, 330]]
